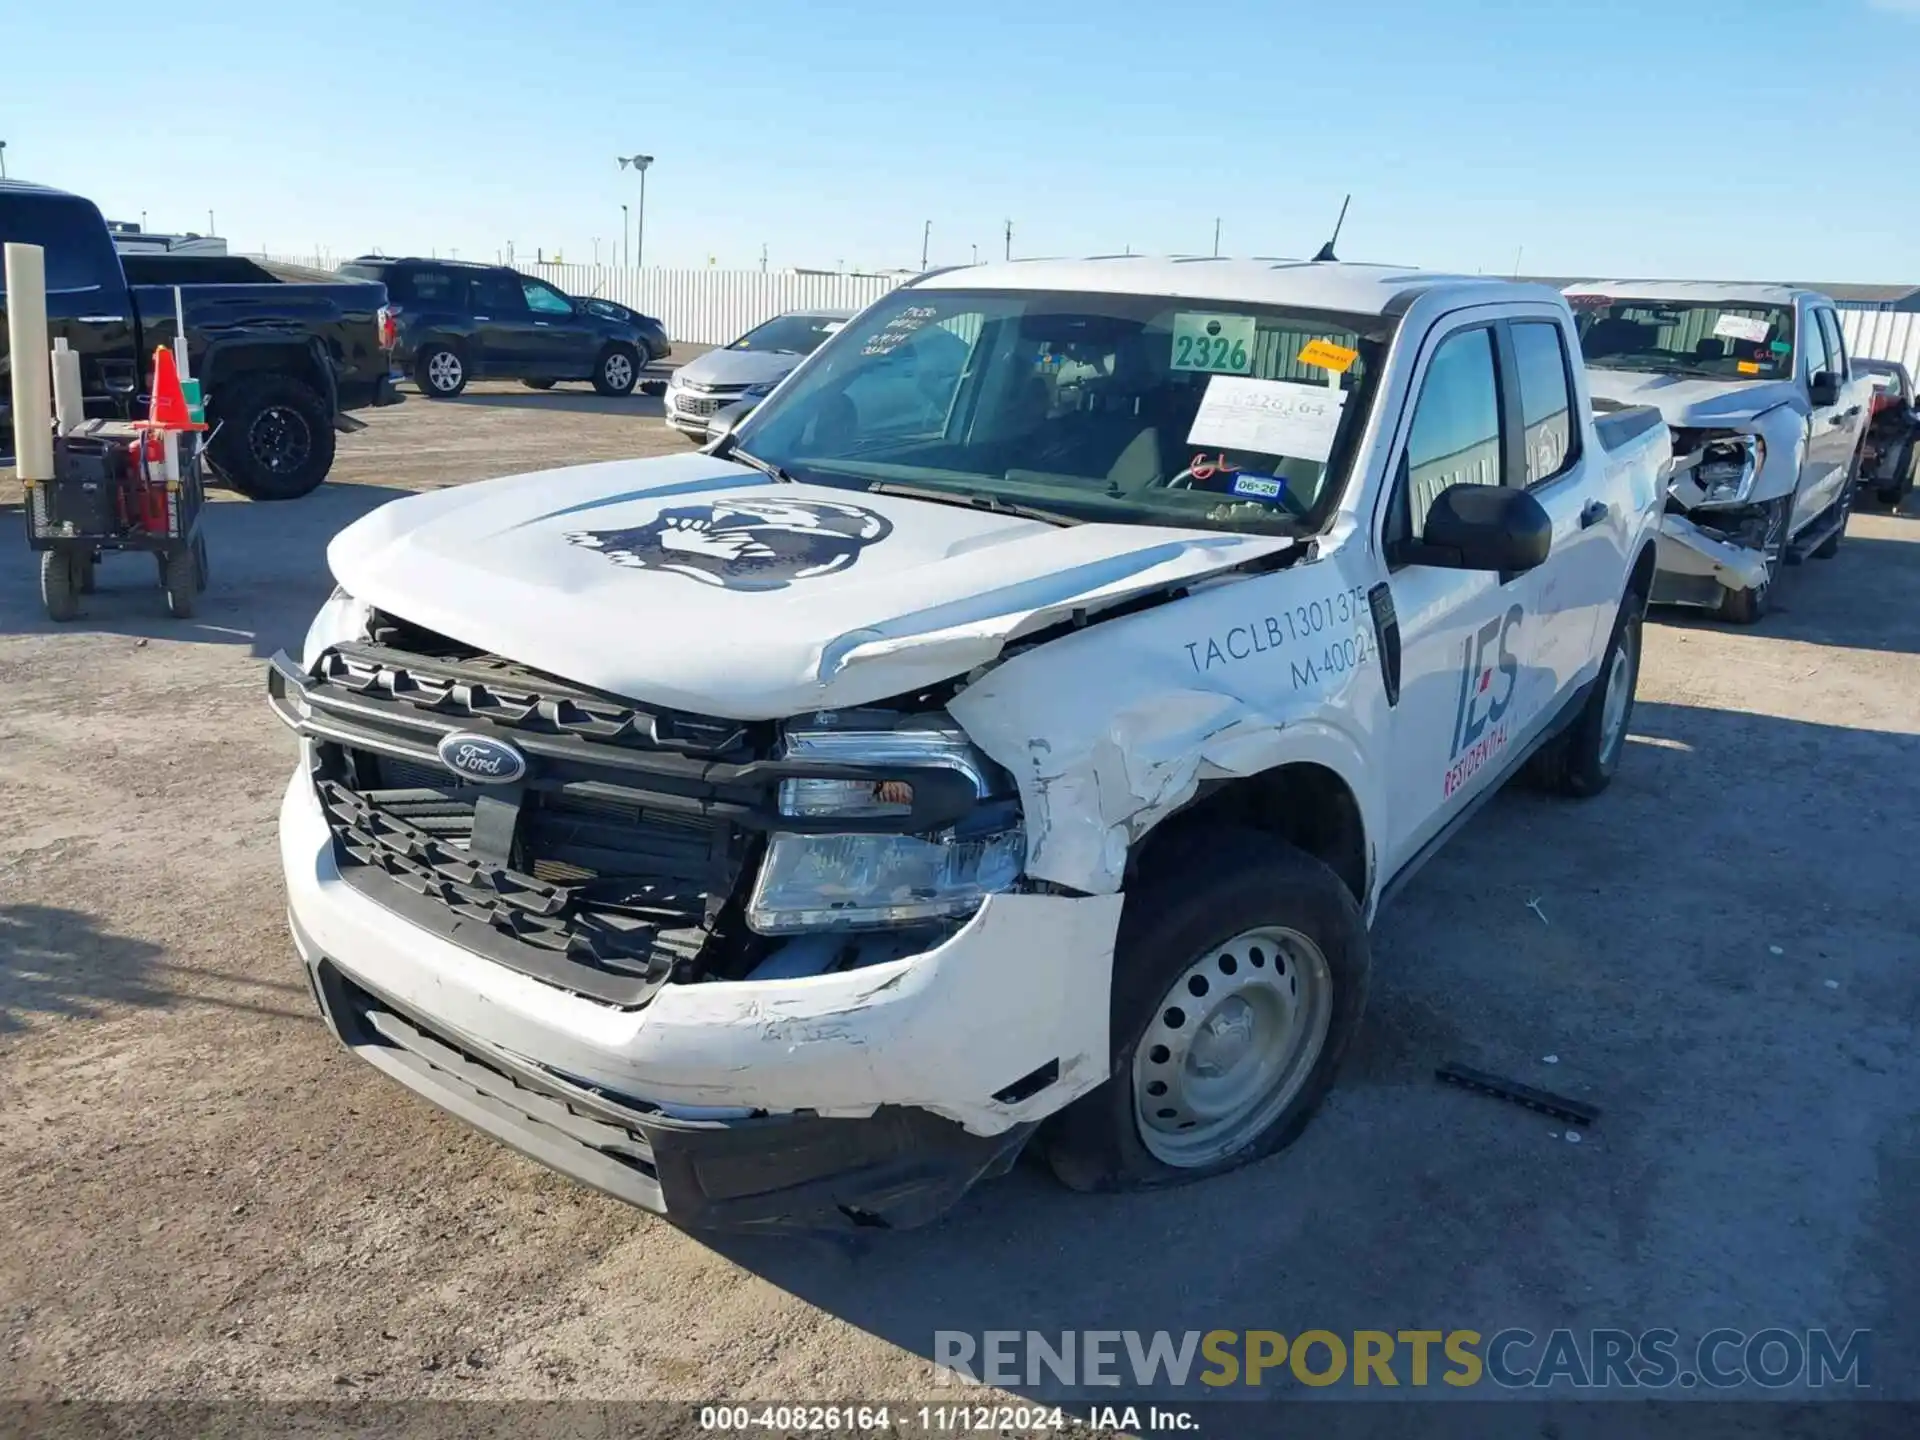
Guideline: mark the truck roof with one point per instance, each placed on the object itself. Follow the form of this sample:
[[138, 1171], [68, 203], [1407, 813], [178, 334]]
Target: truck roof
[[1333, 285], [1700, 292]]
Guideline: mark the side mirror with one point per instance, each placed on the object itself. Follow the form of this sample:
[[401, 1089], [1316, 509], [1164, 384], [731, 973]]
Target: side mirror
[[1824, 388], [725, 421], [1480, 527]]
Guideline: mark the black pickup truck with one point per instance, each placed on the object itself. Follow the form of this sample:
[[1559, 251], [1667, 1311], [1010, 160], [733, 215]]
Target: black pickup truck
[[280, 364]]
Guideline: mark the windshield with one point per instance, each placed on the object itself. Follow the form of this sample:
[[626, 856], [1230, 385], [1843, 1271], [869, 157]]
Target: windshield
[[1723, 342], [1118, 408], [790, 334]]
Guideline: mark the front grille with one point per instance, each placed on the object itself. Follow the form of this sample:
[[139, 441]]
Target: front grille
[[694, 405], [609, 866]]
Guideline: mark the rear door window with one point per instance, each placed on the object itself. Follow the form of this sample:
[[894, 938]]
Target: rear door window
[[78, 253], [496, 294]]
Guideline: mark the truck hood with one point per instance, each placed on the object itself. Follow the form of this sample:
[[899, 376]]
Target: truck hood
[[1687, 400], [737, 367], [694, 583]]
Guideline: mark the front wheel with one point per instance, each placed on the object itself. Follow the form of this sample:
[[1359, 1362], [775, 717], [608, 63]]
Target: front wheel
[[1746, 607], [1581, 762], [1239, 978], [616, 371], [60, 583]]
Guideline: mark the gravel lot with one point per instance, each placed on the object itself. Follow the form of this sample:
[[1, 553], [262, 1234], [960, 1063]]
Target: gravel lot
[[206, 1197]]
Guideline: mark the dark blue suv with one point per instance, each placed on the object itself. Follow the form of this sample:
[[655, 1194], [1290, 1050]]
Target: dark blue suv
[[458, 321]]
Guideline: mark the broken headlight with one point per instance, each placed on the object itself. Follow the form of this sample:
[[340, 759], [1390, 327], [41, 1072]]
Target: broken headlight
[[1727, 468], [870, 881]]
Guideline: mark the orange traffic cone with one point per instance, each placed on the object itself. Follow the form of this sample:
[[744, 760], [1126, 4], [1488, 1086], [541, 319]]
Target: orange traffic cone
[[168, 409]]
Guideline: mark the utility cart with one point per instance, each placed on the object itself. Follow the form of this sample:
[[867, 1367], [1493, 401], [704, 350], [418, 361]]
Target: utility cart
[[115, 488]]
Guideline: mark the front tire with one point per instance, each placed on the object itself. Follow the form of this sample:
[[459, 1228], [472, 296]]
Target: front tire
[[1747, 607], [275, 440], [60, 583], [617, 370], [440, 372], [1239, 978]]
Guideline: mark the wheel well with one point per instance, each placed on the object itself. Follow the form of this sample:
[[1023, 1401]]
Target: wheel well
[[236, 362], [1307, 805]]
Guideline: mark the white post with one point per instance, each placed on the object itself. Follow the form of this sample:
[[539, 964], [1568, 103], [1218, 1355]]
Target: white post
[[180, 333], [26, 270], [69, 401]]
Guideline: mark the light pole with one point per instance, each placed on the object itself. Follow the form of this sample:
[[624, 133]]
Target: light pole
[[3, 159], [926, 234], [626, 251], [642, 163]]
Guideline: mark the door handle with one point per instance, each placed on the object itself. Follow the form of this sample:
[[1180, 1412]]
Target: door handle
[[544, 324], [483, 317], [1595, 512]]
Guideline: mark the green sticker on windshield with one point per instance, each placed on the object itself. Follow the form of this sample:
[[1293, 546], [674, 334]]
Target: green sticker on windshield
[[1219, 344]]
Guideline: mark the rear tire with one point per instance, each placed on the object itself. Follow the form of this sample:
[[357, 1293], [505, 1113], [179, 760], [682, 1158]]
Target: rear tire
[[1239, 979], [1893, 491], [60, 584], [441, 372], [616, 371], [1830, 547], [1581, 762], [276, 438]]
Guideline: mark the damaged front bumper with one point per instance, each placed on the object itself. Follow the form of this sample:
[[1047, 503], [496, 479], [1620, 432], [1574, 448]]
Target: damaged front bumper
[[1694, 566], [871, 1096]]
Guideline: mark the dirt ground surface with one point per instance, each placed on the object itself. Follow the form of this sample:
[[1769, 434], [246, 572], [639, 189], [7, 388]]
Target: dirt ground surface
[[204, 1196]]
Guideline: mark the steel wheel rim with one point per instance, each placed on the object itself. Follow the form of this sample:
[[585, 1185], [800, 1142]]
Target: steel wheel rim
[[619, 371], [444, 370], [1231, 1044], [279, 439], [1619, 696]]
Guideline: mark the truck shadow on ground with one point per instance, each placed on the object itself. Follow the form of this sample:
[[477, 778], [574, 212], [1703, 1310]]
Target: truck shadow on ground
[[54, 962], [1718, 1029], [267, 564]]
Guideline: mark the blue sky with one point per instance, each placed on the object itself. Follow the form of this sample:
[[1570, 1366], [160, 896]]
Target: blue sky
[[1738, 138]]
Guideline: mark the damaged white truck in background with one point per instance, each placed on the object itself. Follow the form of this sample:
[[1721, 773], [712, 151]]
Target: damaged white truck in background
[[1006, 735], [1767, 415]]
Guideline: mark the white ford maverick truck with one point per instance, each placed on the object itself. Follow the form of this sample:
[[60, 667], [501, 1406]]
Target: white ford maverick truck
[[1006, 735]]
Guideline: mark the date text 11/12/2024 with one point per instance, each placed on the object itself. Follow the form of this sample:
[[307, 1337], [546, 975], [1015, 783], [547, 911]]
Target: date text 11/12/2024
[[954, 1419]]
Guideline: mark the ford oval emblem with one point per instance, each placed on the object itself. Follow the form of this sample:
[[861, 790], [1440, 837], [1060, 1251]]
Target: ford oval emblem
[[482, 759]]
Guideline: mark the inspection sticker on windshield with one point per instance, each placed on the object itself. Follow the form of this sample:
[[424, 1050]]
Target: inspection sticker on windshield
[[1268, 417], [1741, 327], [1222, 344], [1328, 356]]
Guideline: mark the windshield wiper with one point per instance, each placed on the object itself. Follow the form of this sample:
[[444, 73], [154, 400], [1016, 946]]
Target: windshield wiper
[[754, 462], [974, 500]]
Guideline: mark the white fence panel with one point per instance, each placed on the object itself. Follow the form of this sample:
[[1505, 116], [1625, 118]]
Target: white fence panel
[[711, 307], [1883, 335]]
